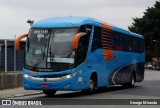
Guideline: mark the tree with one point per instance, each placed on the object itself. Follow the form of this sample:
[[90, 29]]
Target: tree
[[149, 27]]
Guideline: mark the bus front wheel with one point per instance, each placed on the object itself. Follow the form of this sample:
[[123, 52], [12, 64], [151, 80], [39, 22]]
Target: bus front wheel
[[92, 86], [49, 92]]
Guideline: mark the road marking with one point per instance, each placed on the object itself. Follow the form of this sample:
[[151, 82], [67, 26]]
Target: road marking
[[20, 95]]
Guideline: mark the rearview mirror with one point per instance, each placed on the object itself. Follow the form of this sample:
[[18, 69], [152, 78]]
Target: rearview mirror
[[19, 39], [76, 39]]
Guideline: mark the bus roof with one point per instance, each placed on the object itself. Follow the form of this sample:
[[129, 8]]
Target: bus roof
[[64, 22]]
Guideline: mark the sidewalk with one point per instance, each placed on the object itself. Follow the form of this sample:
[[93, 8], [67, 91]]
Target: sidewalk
[[17, 92]]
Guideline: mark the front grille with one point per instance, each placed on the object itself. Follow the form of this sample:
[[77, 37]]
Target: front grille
[[51, 76]]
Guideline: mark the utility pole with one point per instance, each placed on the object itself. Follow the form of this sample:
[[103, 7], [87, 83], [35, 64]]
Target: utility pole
[[15, 53], [5, 43]]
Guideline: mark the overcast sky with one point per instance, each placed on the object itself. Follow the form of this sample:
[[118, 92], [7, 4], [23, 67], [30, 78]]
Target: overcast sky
[[14, 13]]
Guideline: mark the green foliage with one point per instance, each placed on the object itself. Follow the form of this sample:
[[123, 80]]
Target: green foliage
[[149, 27]]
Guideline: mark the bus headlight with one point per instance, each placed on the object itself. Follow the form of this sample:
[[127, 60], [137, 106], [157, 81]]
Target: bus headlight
[[68, 76], [71, 75], [26, 76]]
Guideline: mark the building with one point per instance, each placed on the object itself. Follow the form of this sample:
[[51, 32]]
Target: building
[[10, 59]]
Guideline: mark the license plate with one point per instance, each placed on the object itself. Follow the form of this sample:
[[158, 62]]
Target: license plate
[[45, 86]]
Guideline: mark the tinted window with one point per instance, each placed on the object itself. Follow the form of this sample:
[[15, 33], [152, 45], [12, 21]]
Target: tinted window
[[125, 43], [81, 53], [139, 45], [107, 39], [97, 40], [117, 42], [131, 44]]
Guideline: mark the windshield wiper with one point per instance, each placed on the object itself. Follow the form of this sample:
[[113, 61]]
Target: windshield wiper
[[40, 59]]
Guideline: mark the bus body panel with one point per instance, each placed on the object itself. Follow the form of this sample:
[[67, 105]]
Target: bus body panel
[[80, 81], [114, 69], [117, 69]]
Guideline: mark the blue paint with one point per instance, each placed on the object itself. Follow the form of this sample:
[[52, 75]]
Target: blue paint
[[95, 60]]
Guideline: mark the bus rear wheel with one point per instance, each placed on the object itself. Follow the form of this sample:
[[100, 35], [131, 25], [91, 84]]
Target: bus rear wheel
[[49, 92], [132, 81]]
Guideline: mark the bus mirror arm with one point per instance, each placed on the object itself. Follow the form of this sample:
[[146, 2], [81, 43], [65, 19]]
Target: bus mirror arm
[[76, 39], [18, 41]]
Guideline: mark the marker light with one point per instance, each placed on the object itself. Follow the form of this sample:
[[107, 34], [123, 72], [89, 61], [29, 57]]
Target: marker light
[[71, 75]]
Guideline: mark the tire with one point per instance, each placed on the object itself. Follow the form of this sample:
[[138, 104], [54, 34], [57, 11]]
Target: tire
[[92, 87], [131, 82], [49, 92]]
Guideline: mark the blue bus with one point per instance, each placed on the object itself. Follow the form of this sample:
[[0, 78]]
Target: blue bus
[[80, 53]]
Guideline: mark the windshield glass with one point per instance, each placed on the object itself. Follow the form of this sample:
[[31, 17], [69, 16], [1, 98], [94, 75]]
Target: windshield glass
[[50, 49], [36, 47]]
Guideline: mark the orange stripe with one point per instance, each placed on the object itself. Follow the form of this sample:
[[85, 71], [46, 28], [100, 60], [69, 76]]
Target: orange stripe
[[108, 54], [32, 72], [18, 40], [106, 26], [76, 39]]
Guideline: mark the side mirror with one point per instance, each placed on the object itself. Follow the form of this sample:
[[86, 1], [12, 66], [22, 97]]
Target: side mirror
[[18, 41], [77, 38]]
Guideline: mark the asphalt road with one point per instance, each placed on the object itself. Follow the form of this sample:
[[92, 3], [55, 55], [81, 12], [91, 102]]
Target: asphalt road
[[148, 89]]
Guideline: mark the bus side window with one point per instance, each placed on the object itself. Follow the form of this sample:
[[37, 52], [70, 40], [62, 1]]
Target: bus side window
[[118, 45], [125, 43], [81, 52], [97, 39], [82, 49], [139, 45]]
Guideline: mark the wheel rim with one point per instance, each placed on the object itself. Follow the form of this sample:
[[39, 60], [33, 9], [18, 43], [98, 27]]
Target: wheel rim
[[91, 85], [133, 82]]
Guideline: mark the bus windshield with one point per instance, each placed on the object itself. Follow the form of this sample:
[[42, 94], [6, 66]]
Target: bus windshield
[[50, 49]]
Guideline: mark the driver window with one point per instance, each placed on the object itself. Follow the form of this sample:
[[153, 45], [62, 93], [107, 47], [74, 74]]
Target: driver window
[[83, 43]]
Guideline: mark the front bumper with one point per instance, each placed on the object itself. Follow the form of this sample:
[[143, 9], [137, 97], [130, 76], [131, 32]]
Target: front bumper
[[72, 83]]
